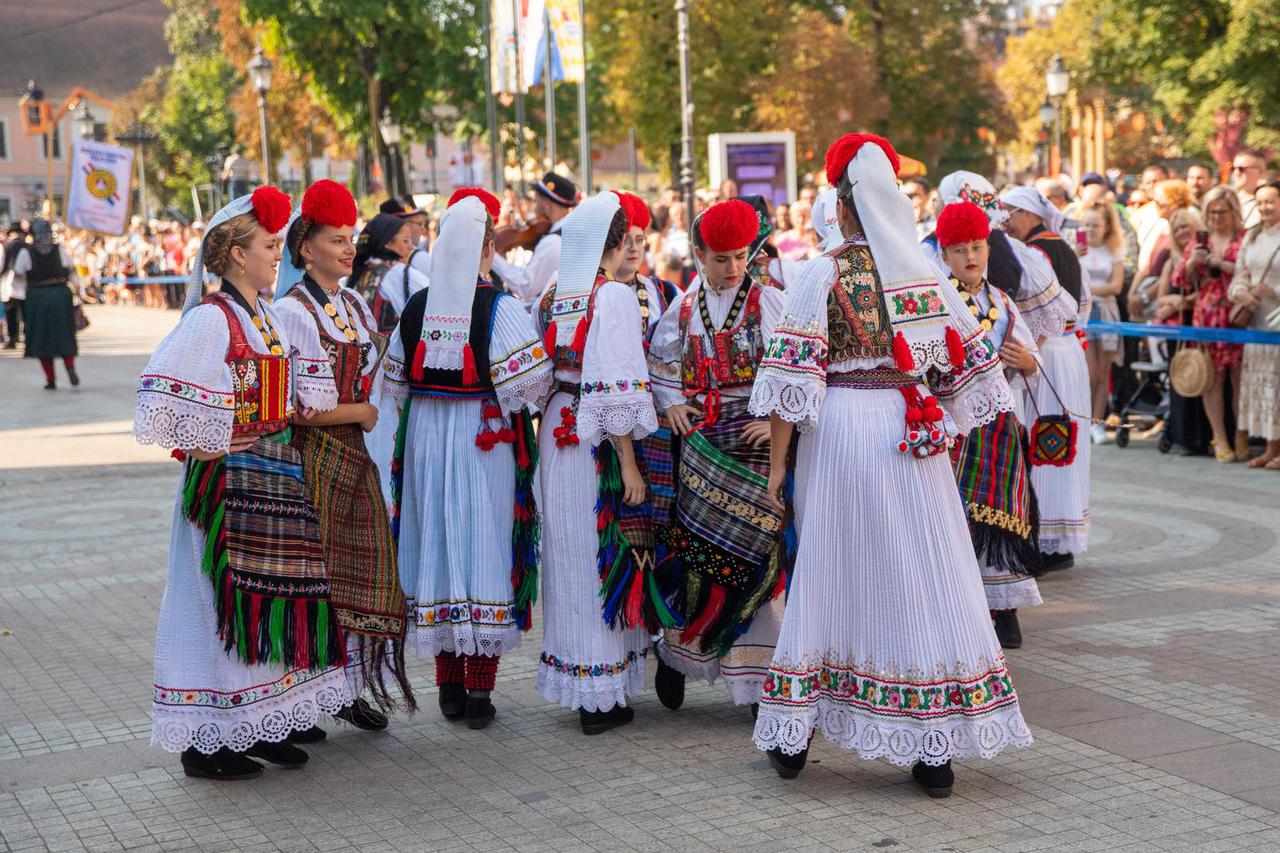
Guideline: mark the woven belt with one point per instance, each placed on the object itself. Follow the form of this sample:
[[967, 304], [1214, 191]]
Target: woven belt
[[573, 389], [878, 378], [1070, 328]]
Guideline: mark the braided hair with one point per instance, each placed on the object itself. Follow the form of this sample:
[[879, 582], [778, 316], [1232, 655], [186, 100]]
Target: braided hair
[[218, 243]]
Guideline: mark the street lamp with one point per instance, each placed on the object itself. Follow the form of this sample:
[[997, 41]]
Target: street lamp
[[85, 121], [1047, 114], [686, 121], [140, 136], [390, 130], [1057, 80], [260, 73]]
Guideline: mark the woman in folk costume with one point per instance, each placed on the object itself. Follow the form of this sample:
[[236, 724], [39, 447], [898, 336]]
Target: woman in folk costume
[[726, 536], [597, 533], [1062, 488], [469, 371], [887, 645], [248, 649], [380, 275], [991, 465], [334, 330]]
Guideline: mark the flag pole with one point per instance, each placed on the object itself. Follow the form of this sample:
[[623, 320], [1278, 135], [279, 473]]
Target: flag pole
[[584, 126], [496, 155], [549, 86], [520, 117]]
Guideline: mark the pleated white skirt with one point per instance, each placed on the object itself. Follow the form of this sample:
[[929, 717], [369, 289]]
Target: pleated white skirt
[[584, 663], [887, 645], [1063, 492], [456, 513]]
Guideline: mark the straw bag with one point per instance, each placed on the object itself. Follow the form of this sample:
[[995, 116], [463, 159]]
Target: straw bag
[[1191, 371]]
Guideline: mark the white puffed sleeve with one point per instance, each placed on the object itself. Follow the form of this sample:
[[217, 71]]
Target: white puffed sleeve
[[395, 373], [978, 391], [185, 395], [665, 353], [317, 389], [616, 397], [518, 363], [1045, 305], [1020, 332], [792, 379]]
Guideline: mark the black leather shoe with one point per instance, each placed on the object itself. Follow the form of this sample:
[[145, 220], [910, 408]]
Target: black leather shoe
[[1056, 562], [755, 711], [51, 386], [595, 722], [73, 376], [315, 734], [1008, 631], [363, 716], [669, 684], [936, 781], [453, 701], [480, 712], [283, 753], [788, 766], [223, 766]]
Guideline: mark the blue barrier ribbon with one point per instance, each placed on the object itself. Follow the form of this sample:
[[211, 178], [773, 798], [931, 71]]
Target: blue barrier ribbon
[[1185, 333], [159, 279]]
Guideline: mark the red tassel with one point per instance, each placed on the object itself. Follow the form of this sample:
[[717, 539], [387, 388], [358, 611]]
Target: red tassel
[[902, 354], [709, 614], [955, 348], [579, 344], [633, 614], [781, 586], [301, 635], [419, 358], [522, 450], [549, 339], [469, 376], [178, 454], [255, 612]]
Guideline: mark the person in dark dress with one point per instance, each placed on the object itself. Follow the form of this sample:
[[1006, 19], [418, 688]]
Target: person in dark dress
[[14, 298], [49, 310]]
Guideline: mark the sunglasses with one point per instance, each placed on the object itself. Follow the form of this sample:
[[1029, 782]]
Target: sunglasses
[[1244, 168]]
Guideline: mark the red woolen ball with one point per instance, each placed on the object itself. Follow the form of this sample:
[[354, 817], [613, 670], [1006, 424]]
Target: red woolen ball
[[637, 211], [729, 225], [328, 202], [961, 222], [490, 201], [846, 148], [271, 207]]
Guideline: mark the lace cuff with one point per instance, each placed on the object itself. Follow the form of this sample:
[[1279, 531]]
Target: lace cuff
[[795, 400], [522, 379], [182, 415], [598, 420], [979, 391]]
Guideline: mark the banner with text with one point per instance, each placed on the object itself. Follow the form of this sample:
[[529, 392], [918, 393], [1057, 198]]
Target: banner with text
[[98, 187]]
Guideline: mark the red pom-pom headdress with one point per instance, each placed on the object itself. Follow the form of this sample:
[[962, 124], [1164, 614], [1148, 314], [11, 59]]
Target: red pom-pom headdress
[[637, 211], [271, 208], [729, 225], [961, 222], [329, 203], [846, 148], [490, 201]]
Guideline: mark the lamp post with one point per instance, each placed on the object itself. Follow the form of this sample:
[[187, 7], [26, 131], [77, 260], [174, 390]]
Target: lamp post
[[260, 73], [1057, 80], [686, 119], [85, 121], [140, 136], [390, 130], [1047, 114]]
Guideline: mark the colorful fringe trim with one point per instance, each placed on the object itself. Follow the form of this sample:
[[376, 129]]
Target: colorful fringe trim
[[526, 531]]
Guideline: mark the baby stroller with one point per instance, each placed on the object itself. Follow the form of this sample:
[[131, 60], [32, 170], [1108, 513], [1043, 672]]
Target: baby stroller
[[1148, 404]]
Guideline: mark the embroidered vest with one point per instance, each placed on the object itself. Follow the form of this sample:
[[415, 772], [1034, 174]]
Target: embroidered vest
[[349, 359], [667, 292], [567, 358], [259, 383], [725, 359], [857, 320], [435, 381]]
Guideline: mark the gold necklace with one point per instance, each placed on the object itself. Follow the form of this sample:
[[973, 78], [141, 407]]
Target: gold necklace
[[986, 322], [340, 321], [268, 333]]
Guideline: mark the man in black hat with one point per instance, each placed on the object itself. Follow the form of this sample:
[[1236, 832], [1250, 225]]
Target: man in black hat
[[556, 196], [407, 209]]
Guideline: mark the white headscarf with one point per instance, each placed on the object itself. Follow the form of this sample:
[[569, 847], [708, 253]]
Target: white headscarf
[[1033, 201], [582, 237], [825, 221], [287, 275], [972, 187], [195, 281], [455, 265]]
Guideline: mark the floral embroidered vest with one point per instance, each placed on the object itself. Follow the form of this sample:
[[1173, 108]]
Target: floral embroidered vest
[[437, 381], [259, 383], [566, 357], [857, 320], [727, 358], [349, 359]]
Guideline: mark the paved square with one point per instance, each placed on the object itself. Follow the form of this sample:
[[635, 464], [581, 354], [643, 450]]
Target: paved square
[[1151, 680]]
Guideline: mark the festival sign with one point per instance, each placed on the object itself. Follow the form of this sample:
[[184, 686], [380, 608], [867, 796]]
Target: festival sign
[[99, 184]]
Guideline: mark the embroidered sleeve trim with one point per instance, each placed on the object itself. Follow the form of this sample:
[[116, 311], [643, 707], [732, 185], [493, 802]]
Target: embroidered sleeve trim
[[522, 378]]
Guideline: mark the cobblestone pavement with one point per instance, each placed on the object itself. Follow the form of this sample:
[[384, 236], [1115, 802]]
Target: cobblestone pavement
[[1150, 679]]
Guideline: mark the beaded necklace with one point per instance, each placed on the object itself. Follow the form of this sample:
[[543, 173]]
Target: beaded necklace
[[738, 301], [318, 293], [268, 331], [988, 321]]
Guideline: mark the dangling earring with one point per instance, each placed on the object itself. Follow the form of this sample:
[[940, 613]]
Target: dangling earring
[[243, 271], [308, 266]]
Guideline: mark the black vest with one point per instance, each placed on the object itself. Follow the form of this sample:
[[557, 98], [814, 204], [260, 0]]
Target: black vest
[[1061, 257], [46, 269], [1004, 271], [448, 383]]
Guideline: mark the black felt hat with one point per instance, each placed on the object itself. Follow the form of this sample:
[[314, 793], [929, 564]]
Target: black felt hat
[[557, 188]]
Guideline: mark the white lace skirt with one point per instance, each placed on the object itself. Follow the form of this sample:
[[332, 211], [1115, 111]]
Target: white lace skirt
[[1063, 492], [207, 699], [456, 513], [1260, 392], [584, 663], [1006, 591], [887, 645], [745, 665]]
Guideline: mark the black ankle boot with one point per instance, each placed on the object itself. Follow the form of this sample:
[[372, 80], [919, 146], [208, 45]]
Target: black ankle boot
[[1008, 631], [283, 753], [363, 716], [936, 781], [595, 722], [480, 710], [788, 766], [1055, 562], [73, 376], [453, 701], [668, 682], [315, 734], [224, 765]]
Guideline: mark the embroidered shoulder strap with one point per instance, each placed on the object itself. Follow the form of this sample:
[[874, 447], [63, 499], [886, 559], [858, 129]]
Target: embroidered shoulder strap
[[239, 347], [686, 312]]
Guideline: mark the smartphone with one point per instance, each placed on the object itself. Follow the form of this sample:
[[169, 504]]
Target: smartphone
[[1082, 241], [1202, 237]]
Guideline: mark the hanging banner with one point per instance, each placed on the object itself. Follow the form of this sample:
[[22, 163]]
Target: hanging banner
[[503, 47], [532, 44], [566, 23], [99, 183]]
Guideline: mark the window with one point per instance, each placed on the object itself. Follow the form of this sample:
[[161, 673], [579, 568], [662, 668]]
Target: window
[[57, 143], [6, 211], [4, 140]]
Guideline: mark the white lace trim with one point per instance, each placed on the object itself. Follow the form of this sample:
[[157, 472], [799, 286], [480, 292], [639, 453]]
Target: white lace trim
[[208, 730], [169, 422], [794, 401], [317, 392], [1065, 543], [596, 423], [1005, 593], [690, 663], [460, 640], [980, 404], [528, 392], [902, 743], [598, 693]]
